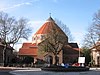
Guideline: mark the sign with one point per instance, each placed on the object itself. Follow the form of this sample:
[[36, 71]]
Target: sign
[[81, 60]]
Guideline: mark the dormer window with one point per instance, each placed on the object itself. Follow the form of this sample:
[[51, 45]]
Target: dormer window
[[42, 37]]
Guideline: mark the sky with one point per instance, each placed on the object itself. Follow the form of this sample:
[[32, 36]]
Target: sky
[[76, 14]]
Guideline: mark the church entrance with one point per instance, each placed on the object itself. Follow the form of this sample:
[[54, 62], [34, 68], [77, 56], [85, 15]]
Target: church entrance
[[49, 59]]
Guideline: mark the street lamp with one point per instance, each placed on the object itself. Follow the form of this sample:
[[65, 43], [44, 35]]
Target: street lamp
[[79, 48]]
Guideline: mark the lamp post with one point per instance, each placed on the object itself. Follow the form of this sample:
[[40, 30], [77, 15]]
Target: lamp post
[[79, 55], [79, 49]]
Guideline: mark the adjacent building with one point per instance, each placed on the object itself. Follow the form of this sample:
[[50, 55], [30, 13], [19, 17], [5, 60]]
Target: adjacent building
[[95, 54], [5, 55]]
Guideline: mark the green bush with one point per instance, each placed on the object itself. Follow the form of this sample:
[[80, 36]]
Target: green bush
[[28, 60]]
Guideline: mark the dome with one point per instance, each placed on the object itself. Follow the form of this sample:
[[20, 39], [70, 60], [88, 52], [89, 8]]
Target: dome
[[48, 26], [45, 29]]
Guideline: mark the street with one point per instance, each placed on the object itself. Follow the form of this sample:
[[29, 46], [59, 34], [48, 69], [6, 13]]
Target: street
[[37, 71], [5, 72], [31, 72]]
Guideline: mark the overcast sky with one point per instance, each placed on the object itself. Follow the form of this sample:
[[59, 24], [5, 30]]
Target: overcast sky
[[76, 14]]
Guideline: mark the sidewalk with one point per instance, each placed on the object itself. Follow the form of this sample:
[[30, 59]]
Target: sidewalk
[[7, 68], [17, 68], [96, 68]]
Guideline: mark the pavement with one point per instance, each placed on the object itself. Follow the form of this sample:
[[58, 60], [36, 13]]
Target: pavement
[[37, 71], [7, 68]]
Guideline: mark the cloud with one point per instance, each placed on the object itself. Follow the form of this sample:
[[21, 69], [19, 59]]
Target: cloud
[[17, 5]]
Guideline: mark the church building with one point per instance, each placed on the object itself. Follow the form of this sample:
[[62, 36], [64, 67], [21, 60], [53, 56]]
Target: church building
[[68, 54]]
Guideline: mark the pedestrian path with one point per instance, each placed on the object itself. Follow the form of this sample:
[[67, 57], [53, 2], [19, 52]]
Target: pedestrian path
[[17, 68], [25, 71], [7, 68]]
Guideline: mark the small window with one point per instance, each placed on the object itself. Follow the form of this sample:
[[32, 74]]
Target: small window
[[42, 37]]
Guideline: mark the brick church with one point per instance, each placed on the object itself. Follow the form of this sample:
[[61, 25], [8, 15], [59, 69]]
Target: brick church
[[68, 54]]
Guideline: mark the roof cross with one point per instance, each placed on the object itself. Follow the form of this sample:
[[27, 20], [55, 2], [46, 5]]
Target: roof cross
[[50, 14]]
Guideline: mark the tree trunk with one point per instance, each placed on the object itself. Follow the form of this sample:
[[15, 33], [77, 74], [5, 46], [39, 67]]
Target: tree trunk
[[4, 56], [56, 60]]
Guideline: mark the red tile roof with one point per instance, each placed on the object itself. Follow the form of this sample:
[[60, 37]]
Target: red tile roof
[[48, 26], [28, 49], [27, 45]]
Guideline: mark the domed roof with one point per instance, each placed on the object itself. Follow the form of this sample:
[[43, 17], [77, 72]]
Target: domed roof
[[48, 26]]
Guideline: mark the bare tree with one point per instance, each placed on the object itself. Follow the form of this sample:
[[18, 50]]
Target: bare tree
[[93, 34], [65, 29], [11, 30], [54, 43]]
